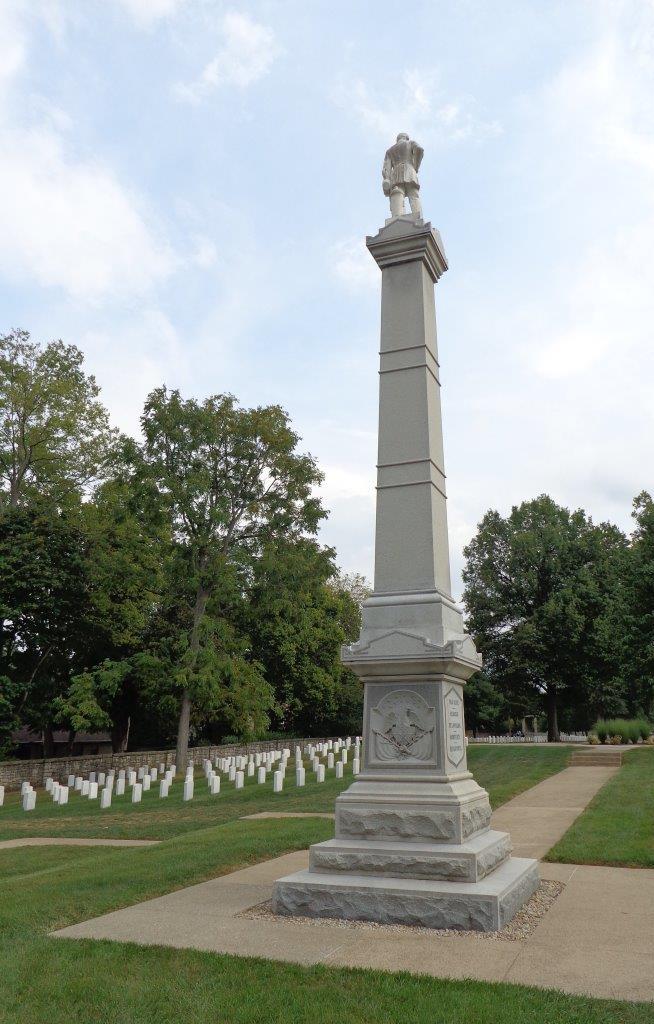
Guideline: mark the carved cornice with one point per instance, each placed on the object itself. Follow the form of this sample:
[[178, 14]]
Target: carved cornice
[[405, 241]]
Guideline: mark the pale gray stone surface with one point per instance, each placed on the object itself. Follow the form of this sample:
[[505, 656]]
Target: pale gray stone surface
[[413, 655], [468, 862], [485, 906]]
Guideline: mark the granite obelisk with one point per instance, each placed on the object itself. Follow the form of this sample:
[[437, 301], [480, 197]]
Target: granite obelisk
[[413, 840]]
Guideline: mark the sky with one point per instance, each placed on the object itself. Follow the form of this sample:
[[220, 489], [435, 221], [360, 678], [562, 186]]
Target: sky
[[186, 187]]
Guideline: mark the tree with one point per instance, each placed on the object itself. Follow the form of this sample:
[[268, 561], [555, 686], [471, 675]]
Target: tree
[[55, 436], [485, 706], [634, 619], [43, 603], [231, 481], [536, 583], [297, 617]]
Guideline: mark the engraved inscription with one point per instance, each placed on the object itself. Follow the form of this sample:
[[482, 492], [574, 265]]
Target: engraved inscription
[[455, 744], [403, 727]]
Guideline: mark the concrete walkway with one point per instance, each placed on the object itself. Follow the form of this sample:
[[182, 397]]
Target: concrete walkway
[[597, 939], [10, 844], [537, 818]]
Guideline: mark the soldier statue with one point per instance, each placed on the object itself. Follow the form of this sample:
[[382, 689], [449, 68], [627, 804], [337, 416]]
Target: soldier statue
[[400, 175]]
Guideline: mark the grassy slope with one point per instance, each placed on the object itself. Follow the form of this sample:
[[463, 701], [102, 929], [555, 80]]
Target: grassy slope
[[56, 981], [503, 771], [617, 827]]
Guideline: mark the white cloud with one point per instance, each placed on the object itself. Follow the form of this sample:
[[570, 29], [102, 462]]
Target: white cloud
[[70, 224], [247, 52], [145, 13], [143, 349], [416, 104], [12, 43], [353, 265]]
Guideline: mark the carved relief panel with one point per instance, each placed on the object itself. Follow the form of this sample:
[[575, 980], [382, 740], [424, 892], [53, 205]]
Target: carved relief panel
[[403, 729]]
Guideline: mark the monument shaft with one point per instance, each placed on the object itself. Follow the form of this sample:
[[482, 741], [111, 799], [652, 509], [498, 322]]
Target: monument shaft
[[413, 840]]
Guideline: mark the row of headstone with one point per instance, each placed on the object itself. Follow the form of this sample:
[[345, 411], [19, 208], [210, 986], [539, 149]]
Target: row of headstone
[[237, 767]]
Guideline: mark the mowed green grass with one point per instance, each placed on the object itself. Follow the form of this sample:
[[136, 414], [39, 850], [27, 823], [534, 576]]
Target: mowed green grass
[[57, 981], [617, 827], [503, 771]]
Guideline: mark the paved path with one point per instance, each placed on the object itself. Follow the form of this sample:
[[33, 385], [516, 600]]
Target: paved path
[[537, 818], [597, 939], [10, 844]]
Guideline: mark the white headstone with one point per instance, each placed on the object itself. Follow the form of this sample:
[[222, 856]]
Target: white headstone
[[299, 776], [330, 760], [320, 773], [62, 796], [85, 787], [164, 785], [105, 798], [2, 795], [101, 779], [356, 766], [250, 769], [339, 769], [261, 774], [146, 782], [79, 782], [278, 782], [188, 789], [120, 785], [239, 780], [214, 785], [29, 800], [71, 781], [93, 791], [92, 777], [48, 784], [136, 793]]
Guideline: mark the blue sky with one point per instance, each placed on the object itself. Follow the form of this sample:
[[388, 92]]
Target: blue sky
[[186, 187]]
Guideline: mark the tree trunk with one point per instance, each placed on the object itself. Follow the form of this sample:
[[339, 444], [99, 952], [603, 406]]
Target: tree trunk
[[181, 756], [48, 741], [553, 735], [71, 740], [201, 598], [120, 734]]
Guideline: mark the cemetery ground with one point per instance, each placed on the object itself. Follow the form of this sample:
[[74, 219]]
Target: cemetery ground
[[43, 889], [504, 771]]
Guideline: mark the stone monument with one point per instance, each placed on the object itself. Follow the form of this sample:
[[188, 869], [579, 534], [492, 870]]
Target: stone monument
[[413, 840]]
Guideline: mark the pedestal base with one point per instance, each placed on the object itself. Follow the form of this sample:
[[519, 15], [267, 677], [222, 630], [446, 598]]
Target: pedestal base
[[485, 906], [445, 862]]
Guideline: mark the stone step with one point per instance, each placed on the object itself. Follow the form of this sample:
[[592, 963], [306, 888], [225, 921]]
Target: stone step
[[469, 862], [596, 758], [480, 906]]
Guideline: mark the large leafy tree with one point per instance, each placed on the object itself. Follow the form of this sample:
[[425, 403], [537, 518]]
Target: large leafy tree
[[536, 584], [231, 481], [55, 437], [126, 561], [634, 618], [298, 616], [44, 593]]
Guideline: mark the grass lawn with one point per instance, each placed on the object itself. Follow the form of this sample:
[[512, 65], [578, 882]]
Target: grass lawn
[[617, 827], [59, 981]]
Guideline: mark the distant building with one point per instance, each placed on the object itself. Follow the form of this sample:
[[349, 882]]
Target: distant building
[[29, 744]]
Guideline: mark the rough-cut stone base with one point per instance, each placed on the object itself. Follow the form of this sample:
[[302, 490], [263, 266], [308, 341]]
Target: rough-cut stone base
[[481, 906], [414, 811], [469, 862]]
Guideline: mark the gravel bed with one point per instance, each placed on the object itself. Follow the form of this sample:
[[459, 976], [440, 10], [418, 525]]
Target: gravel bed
[[522, 925]]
